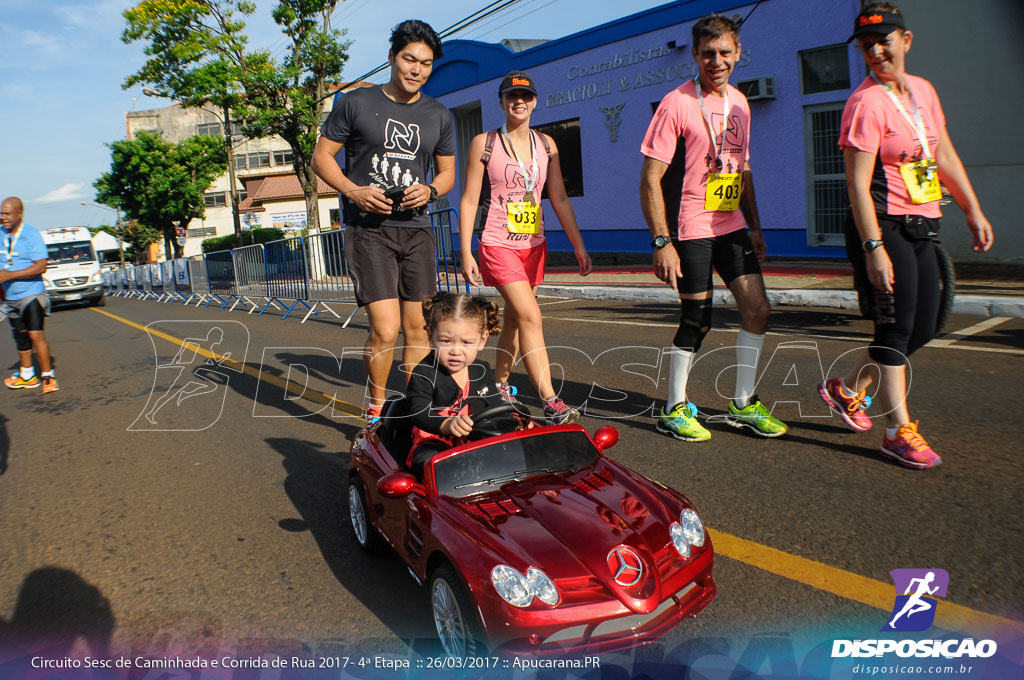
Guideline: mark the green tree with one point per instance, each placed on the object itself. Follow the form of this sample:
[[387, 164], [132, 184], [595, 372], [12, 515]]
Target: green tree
[[137, 237], [159, 184], [197, 53]]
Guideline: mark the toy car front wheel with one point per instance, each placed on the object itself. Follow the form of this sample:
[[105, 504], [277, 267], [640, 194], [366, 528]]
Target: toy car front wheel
[[454, 617], [367, 537]]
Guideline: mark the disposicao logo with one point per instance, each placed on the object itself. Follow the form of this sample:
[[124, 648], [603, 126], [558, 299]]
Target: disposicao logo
[[912, 611], [916, 590]]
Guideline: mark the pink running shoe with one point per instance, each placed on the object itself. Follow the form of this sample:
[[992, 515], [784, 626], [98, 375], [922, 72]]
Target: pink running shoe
[[909, 448], [850, 409]]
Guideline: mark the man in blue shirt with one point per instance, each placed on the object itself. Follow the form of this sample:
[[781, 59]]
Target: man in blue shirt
[[25, 303]]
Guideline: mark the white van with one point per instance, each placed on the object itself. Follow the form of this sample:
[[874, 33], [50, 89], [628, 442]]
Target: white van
[[73, 273]]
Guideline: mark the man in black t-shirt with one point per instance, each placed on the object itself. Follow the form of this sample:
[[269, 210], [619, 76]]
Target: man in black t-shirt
[[390, 134]]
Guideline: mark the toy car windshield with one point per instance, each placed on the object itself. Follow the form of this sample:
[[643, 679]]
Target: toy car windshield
[[488, 467]]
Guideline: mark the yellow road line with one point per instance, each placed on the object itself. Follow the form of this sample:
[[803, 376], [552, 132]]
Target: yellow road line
[[846, 584], [293, 387], [818, 575]]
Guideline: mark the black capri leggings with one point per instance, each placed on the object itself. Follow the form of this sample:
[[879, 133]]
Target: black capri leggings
[[904, 319]]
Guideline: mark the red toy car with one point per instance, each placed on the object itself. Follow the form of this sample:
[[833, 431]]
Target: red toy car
[[532, 541]]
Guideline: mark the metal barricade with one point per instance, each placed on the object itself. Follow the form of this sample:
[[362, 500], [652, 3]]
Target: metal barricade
[[250, 276], [445, 224], [287, 275], [166, 280], [199, 280], [329, 280], [220, 275]]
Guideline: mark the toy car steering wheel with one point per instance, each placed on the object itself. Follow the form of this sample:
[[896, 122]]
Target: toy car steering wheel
[[482, 428]]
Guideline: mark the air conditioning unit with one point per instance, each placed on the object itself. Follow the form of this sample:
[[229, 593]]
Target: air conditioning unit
[[757, 88]]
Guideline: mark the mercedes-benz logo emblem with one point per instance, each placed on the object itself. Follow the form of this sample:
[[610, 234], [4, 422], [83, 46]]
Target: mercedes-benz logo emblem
[[626, 567]]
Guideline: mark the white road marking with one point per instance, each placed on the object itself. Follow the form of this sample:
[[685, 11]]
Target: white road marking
[[979, 327]]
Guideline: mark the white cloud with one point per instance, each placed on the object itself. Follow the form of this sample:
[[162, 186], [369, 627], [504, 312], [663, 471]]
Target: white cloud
[[68, 192]]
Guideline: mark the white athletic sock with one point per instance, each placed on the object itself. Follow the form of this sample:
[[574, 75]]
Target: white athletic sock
[[748, 348], [28, 373], [847, 392], [48, 374], [890, 432], [678, 373]]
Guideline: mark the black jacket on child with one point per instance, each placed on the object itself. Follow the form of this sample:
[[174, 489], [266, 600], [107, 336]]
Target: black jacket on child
[[431, 389]]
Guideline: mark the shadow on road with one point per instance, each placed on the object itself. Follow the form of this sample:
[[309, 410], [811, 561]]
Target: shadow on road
[[55, 608], [317, 485], [5, 444]]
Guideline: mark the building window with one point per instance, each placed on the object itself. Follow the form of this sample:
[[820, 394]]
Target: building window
[[285, 157], [215, 199], [201, 232], [240, 163], [242, 195], [260, 159], [825, 69], [827, 196], [208, 129], [334, 216], [566, 134]]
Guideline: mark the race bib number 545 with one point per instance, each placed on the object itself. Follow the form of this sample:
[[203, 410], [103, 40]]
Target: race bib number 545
[[723, 192]]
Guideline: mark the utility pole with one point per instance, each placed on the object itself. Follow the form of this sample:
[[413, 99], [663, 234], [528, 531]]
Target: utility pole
[[233, 187]]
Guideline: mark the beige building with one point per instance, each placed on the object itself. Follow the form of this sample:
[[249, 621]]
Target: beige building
[[269, 193]]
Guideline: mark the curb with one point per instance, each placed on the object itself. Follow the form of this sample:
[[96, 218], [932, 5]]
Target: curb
[[971, 305]]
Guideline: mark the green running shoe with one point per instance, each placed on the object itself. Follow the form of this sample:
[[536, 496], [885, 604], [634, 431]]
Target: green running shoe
[[682, 423], [757, 418]]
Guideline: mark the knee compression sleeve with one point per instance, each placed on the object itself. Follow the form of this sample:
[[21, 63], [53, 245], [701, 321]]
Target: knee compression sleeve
[[694, 323], [22, 340]]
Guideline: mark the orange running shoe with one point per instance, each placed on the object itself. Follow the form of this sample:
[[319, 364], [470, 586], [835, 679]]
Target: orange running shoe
[[850, 409], [50, 384], [16, 382], [909, 448]]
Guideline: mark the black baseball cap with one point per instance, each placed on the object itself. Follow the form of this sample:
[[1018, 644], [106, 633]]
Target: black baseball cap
[[876, 22], [517, 81]]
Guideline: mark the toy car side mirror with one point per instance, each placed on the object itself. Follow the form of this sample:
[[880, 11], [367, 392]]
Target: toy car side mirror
[[606, 437], [397, 485]]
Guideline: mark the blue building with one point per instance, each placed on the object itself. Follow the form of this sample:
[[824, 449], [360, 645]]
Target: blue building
[[598, 90]]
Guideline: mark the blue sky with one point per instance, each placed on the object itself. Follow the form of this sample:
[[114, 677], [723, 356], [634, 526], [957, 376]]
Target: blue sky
[[62, 64]]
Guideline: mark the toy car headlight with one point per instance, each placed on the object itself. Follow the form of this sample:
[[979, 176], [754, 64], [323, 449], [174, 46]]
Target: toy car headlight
[[693, 528], [542, 586], [678, 535], [511, 585]]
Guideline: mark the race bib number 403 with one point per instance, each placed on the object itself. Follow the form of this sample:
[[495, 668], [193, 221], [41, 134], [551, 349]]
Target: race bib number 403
[[723, 192], [523, 218]]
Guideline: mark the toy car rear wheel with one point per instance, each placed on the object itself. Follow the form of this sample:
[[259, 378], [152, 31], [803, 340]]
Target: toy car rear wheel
[[458, 629], [359, 518]]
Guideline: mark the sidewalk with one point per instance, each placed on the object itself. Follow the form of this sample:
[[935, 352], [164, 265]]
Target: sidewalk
[[799, 283]]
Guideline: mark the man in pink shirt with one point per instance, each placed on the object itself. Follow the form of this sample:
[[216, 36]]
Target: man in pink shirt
[[696, 177]]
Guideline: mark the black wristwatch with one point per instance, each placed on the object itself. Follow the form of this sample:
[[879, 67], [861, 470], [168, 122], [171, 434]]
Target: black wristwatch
[[660, 242], [871, 244], [433, 193]]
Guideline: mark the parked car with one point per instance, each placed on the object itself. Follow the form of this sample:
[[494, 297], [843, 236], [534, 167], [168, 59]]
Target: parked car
[[531, 541]]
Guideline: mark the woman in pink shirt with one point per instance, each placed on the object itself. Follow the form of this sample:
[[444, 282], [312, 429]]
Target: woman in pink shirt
[[897, 151], [506, 175]]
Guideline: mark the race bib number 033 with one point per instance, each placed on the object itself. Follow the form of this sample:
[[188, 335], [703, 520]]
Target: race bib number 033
[[523, 218], [723, 192], [922, 180]]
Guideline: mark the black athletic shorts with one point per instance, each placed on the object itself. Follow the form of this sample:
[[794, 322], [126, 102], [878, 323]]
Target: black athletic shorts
[[391, 262], [30, 319], [731, 255]]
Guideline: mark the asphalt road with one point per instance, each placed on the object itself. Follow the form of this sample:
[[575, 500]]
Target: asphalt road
[[178, 511]]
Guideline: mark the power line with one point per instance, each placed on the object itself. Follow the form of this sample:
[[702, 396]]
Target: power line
[[482, 29], [460, 25]]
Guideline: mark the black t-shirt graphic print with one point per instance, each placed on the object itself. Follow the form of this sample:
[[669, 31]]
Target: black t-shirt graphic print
[[388, 145]]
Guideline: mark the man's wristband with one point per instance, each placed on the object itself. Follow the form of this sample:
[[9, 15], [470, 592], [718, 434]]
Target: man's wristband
[[660, 242], [433, 193], [871, 244]]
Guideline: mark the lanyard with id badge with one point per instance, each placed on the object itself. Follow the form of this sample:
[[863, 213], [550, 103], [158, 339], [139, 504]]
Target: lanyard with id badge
[[724, 188], [9, 253], [524, 216], [920, 177]]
